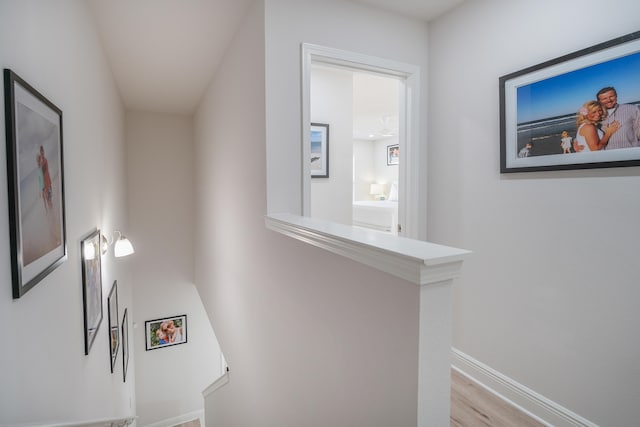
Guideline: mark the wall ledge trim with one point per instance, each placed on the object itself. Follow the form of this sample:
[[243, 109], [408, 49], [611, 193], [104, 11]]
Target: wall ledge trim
[[419, 262], [528, 401], [221, 381]]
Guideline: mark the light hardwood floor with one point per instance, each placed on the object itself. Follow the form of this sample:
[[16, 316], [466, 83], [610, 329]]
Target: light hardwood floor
[[473, 406]]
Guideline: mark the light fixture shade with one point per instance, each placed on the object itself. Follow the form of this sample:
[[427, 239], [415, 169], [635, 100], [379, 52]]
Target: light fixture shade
[[122, 247], [376, 189]]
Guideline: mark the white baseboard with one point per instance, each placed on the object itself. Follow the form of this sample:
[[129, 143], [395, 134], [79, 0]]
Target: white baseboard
[[535, 405], [185, 418]]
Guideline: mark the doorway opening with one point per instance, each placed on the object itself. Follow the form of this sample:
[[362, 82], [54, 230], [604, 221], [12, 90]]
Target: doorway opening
[[369, 111]]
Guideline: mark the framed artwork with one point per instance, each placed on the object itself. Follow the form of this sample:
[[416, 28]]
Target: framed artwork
[[35, 182], [393, 154], [91, 287], [125, 344], [114, 329], [319, 150], [165, 332], [579, 111]]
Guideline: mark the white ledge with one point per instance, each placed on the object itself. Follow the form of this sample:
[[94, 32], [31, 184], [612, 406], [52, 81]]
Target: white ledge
[[422, 263]]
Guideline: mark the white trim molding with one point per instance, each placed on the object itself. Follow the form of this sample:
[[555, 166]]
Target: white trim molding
[[180, 419], [533, 404], [221, 381], [422, 263]]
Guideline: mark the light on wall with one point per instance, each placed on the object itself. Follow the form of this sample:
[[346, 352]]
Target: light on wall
[[121, 245]]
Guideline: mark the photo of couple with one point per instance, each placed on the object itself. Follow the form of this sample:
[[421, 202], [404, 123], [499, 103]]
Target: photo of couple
[[601, 124], [581, 110]]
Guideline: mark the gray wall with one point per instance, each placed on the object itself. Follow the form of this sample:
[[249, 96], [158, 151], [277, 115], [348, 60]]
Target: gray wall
[[549, 297], [161, 205], [310, 338], [54, 47]]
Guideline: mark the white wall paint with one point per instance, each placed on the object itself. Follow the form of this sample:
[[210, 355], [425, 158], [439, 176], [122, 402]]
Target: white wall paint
[[46, 377], [337, 24], [161, 200], [549, 297], [310, 338], [332, 103]]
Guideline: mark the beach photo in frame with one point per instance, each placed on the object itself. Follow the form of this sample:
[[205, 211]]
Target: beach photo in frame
[[393, 154], [165, 332], [91, 287], [578, 111], [125, 344], [114, 328], [319, 150], [37, 234]]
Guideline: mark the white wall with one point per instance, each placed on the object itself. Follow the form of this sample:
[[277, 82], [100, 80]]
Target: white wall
[[549, 297], [337, 24], [161, 202], [332, 103], [310, 338], [46, 376]]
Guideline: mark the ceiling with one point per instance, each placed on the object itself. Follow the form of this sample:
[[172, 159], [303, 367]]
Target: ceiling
[[155, 47]]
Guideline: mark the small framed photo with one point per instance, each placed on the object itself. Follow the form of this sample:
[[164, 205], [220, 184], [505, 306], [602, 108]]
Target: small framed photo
[[114, 328], [319, 150], [125, 344], [166, 332], [35, 177], [578, 111], [91, 287], [393, 154]]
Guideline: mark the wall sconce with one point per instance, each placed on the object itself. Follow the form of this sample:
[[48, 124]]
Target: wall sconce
[[121, 245], [377, 191]]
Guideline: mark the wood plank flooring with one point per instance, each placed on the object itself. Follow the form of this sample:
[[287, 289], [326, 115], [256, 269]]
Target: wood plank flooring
[[473, 406]]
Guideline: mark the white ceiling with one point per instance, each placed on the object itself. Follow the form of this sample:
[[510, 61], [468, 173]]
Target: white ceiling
[[163, 53]]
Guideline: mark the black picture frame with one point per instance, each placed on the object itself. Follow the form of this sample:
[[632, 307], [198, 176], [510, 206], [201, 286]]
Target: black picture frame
[[91, 287], [125, 344], [539, 103], [393, 154], [319, 150], [35, 178], [165, 338], [114, 329]]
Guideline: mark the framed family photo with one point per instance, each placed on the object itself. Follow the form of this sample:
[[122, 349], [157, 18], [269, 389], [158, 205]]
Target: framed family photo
[[319, 150], [578, 111], [166, 332], [393, 154], [114, 329], [91, 287], [35, 184]]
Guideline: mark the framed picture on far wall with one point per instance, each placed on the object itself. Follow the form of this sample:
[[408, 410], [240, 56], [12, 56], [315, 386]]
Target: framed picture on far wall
[[91, 287], [393, 155], [319, 150], [35, 184], [166, 332], [125, 344], [579, 111], [114, 329]]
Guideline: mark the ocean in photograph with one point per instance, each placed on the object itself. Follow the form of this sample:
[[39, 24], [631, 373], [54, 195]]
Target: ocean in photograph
[[545, 134]]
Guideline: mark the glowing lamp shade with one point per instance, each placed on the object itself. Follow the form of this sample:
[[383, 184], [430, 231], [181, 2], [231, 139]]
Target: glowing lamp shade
[[376, 189], [122, 247]]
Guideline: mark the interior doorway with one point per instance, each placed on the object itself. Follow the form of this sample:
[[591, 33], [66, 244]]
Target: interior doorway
[[360, 109], [365, 104]]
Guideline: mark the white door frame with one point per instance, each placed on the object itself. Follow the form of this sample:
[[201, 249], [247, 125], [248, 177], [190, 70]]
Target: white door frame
[[409, 113]]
